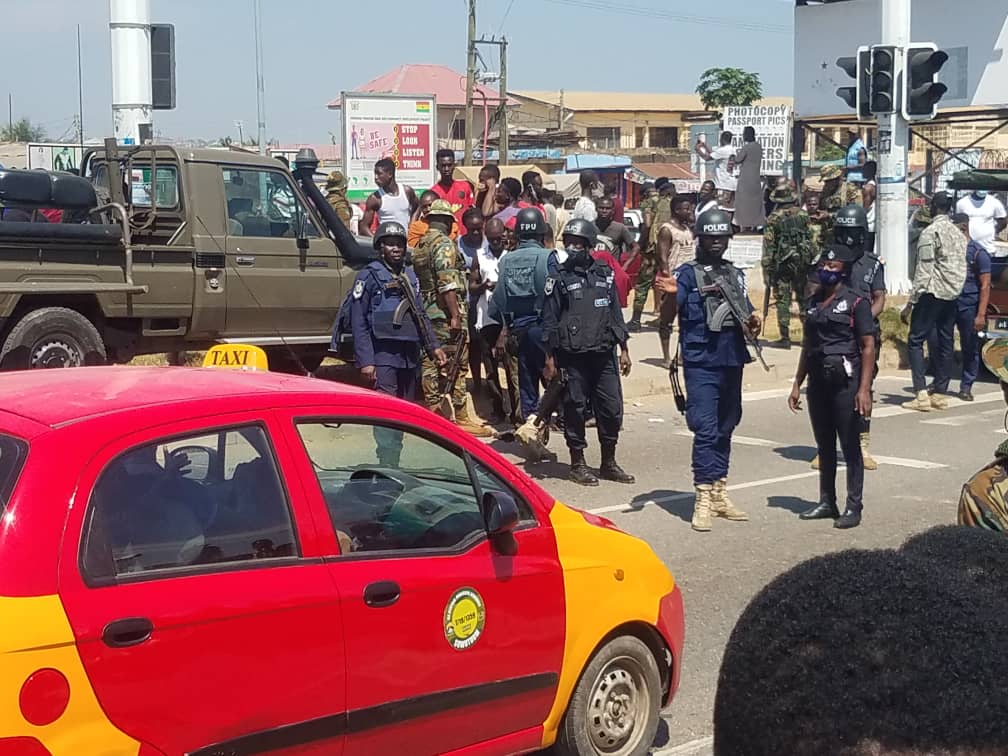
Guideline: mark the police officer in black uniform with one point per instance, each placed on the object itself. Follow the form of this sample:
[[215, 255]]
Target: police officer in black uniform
[[838, 357], [582, 324]]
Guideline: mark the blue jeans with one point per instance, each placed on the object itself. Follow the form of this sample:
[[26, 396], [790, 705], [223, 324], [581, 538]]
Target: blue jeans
[[401, 383], [531, 361], [713, 411], [965, 315]]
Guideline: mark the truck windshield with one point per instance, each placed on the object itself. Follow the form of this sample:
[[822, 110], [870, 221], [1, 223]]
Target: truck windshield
[[12, 456]]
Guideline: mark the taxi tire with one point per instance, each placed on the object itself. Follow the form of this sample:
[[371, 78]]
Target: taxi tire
[[624, 651], [66, 330]]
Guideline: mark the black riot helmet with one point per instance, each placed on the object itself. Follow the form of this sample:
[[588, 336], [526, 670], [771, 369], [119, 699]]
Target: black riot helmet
[[850, 226], [387, 229], [583, 229], [714, 222], [530, 224]]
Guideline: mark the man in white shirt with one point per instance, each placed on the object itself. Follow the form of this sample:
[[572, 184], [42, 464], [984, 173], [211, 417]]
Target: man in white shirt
[[987, 217], [724, 169], [591, 190]]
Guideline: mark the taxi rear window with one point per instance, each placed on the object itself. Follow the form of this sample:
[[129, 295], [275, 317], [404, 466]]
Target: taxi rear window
[[12, 455]]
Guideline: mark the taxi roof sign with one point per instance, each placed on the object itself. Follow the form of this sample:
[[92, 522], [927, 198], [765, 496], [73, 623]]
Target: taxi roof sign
[[236, 357]]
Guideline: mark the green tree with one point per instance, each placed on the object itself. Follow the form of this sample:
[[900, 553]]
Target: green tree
[[722, 87], [827, 151], [22, 131]]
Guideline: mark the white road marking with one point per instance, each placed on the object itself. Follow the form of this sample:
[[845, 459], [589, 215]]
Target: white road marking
[[741, 440], [916, 464], [898, 409], [698, 747], [756, 396], [951, 421]]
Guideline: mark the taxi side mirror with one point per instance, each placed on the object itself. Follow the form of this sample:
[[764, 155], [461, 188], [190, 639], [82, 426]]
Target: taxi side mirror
[[502, 518]]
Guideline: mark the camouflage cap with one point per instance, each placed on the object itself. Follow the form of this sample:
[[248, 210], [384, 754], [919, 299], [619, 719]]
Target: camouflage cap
[[440, 208], [336, 180], [784, 195], [995, 357], [830, 172]]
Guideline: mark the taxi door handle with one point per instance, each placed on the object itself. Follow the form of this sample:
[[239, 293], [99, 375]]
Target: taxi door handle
[[127, 632], [381, 594]]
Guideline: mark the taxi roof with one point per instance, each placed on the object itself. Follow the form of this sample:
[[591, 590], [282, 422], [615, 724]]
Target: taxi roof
[[59, 397]]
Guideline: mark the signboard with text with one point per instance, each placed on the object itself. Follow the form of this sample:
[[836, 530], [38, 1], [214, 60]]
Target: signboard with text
[[773, 131], [402, 128]]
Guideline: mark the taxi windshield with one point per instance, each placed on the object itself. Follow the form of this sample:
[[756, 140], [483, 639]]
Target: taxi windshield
[[12, 455]]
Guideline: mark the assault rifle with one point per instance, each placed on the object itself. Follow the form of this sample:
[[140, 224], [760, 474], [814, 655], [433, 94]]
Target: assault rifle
[[409, 303], [733, 305]]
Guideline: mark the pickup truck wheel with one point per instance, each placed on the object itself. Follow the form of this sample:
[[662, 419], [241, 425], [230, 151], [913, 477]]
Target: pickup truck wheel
[[281, 360], [52, 337], [615, 707]]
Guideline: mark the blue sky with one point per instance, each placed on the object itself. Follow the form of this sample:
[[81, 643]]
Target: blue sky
[[313, 49]]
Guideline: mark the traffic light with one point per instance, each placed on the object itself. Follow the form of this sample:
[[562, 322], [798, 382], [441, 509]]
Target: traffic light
[[162, 39], [858, 68], [923, 90], [883, 79]]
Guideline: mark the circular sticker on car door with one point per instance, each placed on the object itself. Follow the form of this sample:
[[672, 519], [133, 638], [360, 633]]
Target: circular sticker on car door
[[464, 618]]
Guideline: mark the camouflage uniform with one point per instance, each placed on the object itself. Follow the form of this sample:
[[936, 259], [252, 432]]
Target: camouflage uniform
[[439, 268], [787, 256], [819, 225], [661, 213], [336, 189]]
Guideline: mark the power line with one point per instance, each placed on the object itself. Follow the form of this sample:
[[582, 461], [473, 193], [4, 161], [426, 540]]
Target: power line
[[507, 12], [629, 10]]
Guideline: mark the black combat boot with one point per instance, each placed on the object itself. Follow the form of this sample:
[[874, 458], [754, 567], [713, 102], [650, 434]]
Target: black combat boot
[[610, 470], [849, 519], [825, 510], [634, 325], [580, 473]]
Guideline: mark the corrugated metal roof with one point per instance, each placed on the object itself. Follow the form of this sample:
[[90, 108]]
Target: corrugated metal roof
[[629, 101], [446, 84]]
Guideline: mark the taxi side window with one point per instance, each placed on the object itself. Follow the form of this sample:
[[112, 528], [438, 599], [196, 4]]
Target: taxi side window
[[187, 502], [387, 489]]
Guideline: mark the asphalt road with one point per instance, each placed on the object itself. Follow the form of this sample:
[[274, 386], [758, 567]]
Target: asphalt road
[[924, 458]]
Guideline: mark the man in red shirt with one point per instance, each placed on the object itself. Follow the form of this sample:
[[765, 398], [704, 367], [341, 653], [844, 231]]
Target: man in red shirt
[[458, 194]]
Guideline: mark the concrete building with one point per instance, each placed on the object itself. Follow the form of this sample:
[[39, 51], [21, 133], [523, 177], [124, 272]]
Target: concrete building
[[625, 121]]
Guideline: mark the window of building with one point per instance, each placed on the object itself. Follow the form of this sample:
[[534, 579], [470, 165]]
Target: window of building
[[666, 137], [263, 203], [458, 128], [393, 490], [604, 137], [200, 500]]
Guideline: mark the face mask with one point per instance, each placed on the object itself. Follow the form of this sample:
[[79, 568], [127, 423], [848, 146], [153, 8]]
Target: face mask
[[829, 277], [980, 194]]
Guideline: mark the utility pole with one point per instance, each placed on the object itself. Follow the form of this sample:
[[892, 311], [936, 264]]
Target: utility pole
[[10, 113], [80, 92], [502, 127], [893, 136], [129, 28], [260, 88], [241, 133], [470, 83], [560, 122]]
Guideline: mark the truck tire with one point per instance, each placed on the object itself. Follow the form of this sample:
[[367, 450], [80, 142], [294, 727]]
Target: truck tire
[[52, 337], [282, 360], [614, 709]]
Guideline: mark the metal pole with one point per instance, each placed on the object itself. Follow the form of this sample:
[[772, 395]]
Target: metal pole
[[80, 91], [504, 141], [260, 88], [10, 113], [893, 132], [129, 28], [470, 84]]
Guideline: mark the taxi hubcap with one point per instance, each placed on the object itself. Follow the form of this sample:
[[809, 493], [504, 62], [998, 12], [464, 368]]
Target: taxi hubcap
[[55, 354], [618, 707]]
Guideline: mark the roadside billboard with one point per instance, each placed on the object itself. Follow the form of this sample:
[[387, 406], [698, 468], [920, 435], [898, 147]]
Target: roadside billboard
[[54, 156], [773, 131], [396, 126]]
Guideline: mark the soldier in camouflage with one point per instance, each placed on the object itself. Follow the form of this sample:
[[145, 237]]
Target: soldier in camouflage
[[831, 196], [819, 222], [787, 255], [659, 212], [441, 272]]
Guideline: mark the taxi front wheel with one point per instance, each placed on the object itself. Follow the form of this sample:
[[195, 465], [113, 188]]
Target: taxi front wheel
[[615, 707]]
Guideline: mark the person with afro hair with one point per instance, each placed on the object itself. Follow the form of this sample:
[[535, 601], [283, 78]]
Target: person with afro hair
[[874, 653]]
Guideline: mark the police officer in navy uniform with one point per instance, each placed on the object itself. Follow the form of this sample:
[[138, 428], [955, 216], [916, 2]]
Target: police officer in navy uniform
[[838, 357], [583, 323], [517, 302], [713, 356], [388, 353]]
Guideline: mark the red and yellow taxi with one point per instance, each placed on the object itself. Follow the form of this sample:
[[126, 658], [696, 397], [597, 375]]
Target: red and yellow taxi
[[217, 563]]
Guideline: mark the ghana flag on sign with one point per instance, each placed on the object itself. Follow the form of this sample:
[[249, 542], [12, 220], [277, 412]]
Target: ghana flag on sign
[[423, 107]]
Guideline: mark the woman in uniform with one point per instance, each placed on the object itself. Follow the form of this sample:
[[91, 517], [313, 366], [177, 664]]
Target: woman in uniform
[[838, 357]]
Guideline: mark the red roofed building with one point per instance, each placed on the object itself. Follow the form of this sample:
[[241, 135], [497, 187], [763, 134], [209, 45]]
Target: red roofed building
[[449, 89]]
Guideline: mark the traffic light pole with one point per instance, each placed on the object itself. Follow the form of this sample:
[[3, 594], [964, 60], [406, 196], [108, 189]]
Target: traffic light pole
[[892, 202]]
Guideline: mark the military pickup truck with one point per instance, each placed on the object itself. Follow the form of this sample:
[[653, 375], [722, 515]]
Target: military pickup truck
[[165, 250]]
